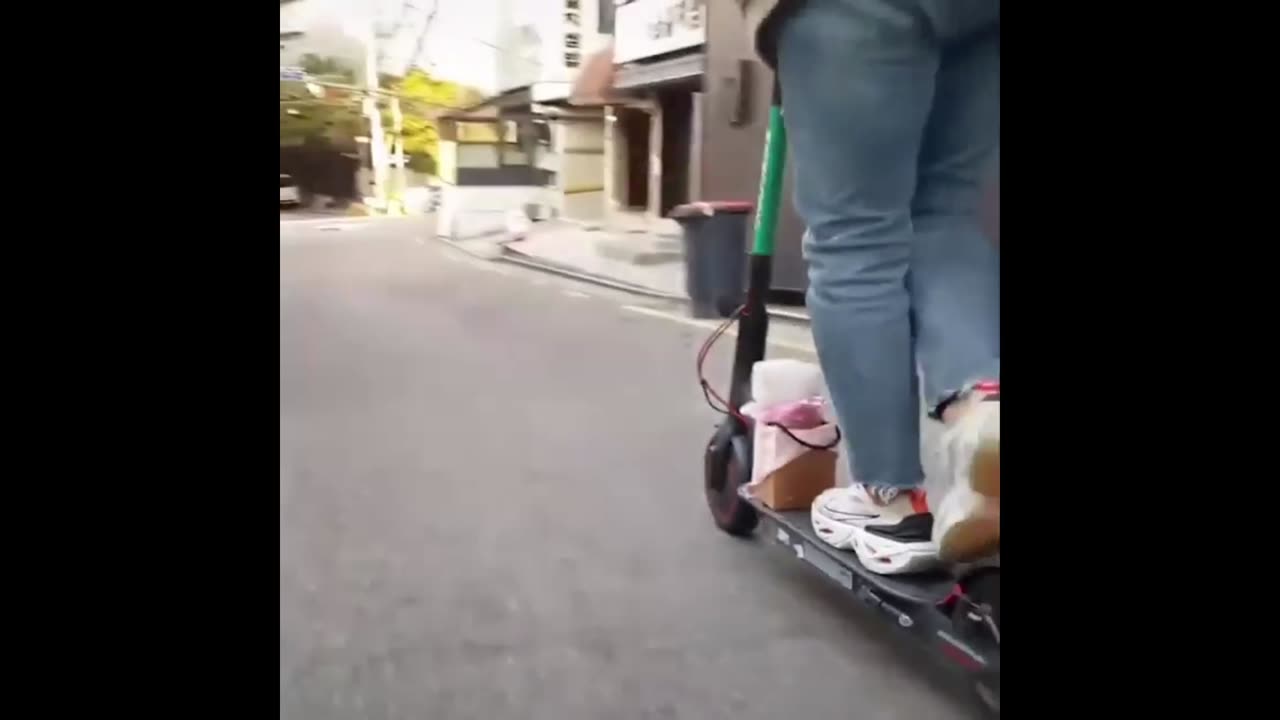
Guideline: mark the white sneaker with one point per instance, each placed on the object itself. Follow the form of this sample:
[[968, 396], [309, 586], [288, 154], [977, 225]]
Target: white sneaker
[[966, 524], [888, 530]]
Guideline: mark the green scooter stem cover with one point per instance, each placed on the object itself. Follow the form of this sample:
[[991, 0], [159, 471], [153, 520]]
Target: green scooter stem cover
[[775, 160]]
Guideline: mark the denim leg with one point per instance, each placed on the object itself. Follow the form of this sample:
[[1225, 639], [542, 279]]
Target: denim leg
[[954, 280], [857, 82]]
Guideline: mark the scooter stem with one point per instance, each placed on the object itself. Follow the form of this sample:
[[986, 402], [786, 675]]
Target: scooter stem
[[775, 161], [753, 324]]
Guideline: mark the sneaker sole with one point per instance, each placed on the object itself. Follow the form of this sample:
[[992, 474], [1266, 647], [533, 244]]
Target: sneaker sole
[[906, 557], [978, 535]]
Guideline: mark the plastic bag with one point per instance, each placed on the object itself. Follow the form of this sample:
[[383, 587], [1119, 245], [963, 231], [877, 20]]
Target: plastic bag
[[776, 444], [800, 415], [780, 381]]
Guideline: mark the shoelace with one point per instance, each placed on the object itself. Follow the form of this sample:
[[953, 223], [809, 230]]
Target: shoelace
[[886, 495]]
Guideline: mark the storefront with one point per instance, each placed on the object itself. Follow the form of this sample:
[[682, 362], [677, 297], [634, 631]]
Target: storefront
[[651, 157], [686, 107]]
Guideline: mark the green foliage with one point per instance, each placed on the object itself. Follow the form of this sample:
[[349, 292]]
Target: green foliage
[[328, 67], [423, 99], [336, 116]]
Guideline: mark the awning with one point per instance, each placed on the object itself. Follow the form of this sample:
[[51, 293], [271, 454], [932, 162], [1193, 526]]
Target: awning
[[513, 98], [679, 68], [594, 84]]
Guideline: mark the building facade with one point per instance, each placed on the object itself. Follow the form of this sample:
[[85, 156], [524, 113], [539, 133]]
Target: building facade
[[652, 152], [736, 114], [542, 49]]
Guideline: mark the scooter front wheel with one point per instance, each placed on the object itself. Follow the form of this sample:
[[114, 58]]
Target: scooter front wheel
[[728, 468]]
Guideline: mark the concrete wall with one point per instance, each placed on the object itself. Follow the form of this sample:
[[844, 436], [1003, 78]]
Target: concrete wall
[[477, 208], [583, 205], [413, 179], [581, 172], [469, 155], [582, 135], [514, 156], [470, 212], [473, 155], [548, 159], [581, 151], [576, 157], [447, 162]]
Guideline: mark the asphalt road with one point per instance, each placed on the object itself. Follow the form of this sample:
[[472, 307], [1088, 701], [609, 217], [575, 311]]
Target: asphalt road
[[292, 214], [490, 508]]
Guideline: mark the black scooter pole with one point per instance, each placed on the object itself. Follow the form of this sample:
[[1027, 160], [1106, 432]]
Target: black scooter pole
[[753, 321]]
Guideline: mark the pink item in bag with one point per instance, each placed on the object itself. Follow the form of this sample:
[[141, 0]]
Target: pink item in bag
[[800, 415]]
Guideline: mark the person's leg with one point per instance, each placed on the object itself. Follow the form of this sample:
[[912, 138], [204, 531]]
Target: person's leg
[[857, 81], [954, 286]]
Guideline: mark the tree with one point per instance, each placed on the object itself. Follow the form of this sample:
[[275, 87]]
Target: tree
[[328, 67], [338, 115], [337, 120], [423, 99], [335, 116]]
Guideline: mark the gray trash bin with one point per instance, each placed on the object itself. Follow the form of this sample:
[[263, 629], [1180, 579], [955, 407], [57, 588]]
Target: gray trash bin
[[715, 255]]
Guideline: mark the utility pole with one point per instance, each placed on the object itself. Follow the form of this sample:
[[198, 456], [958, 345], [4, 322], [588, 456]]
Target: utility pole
[[397, 117], [377, 141], [378, 154], [398, 127]]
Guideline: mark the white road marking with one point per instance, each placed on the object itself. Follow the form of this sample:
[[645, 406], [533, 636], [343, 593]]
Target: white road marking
[[575, 294], [491, 267], [313, 222], [326, 239], [711, 325]]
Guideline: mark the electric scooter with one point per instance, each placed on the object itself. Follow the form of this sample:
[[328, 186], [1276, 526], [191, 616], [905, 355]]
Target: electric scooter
[[955, 615]]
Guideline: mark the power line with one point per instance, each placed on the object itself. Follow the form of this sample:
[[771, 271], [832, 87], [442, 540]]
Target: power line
[[422, 34], [380, 92]]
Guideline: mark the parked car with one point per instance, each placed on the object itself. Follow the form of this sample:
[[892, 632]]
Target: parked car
[[289, 193]]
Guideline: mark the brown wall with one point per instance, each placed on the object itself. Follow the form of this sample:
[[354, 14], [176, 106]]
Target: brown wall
[[732, 153]]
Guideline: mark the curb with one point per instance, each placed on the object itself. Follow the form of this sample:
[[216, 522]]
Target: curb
[[601, 226], [516, 258], [493, 249], [500, 253]]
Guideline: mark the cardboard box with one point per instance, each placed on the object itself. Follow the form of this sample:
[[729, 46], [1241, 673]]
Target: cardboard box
[[795, 485]]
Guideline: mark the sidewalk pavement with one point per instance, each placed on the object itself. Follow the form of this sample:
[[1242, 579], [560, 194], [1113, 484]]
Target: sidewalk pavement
[[649, 257], [632, 223], [650, 261]]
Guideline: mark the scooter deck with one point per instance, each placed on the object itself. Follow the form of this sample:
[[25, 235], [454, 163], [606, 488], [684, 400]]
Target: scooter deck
[[794, 529], [913, 603]]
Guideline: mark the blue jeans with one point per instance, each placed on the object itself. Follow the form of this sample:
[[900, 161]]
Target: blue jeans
[[893, 113]]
